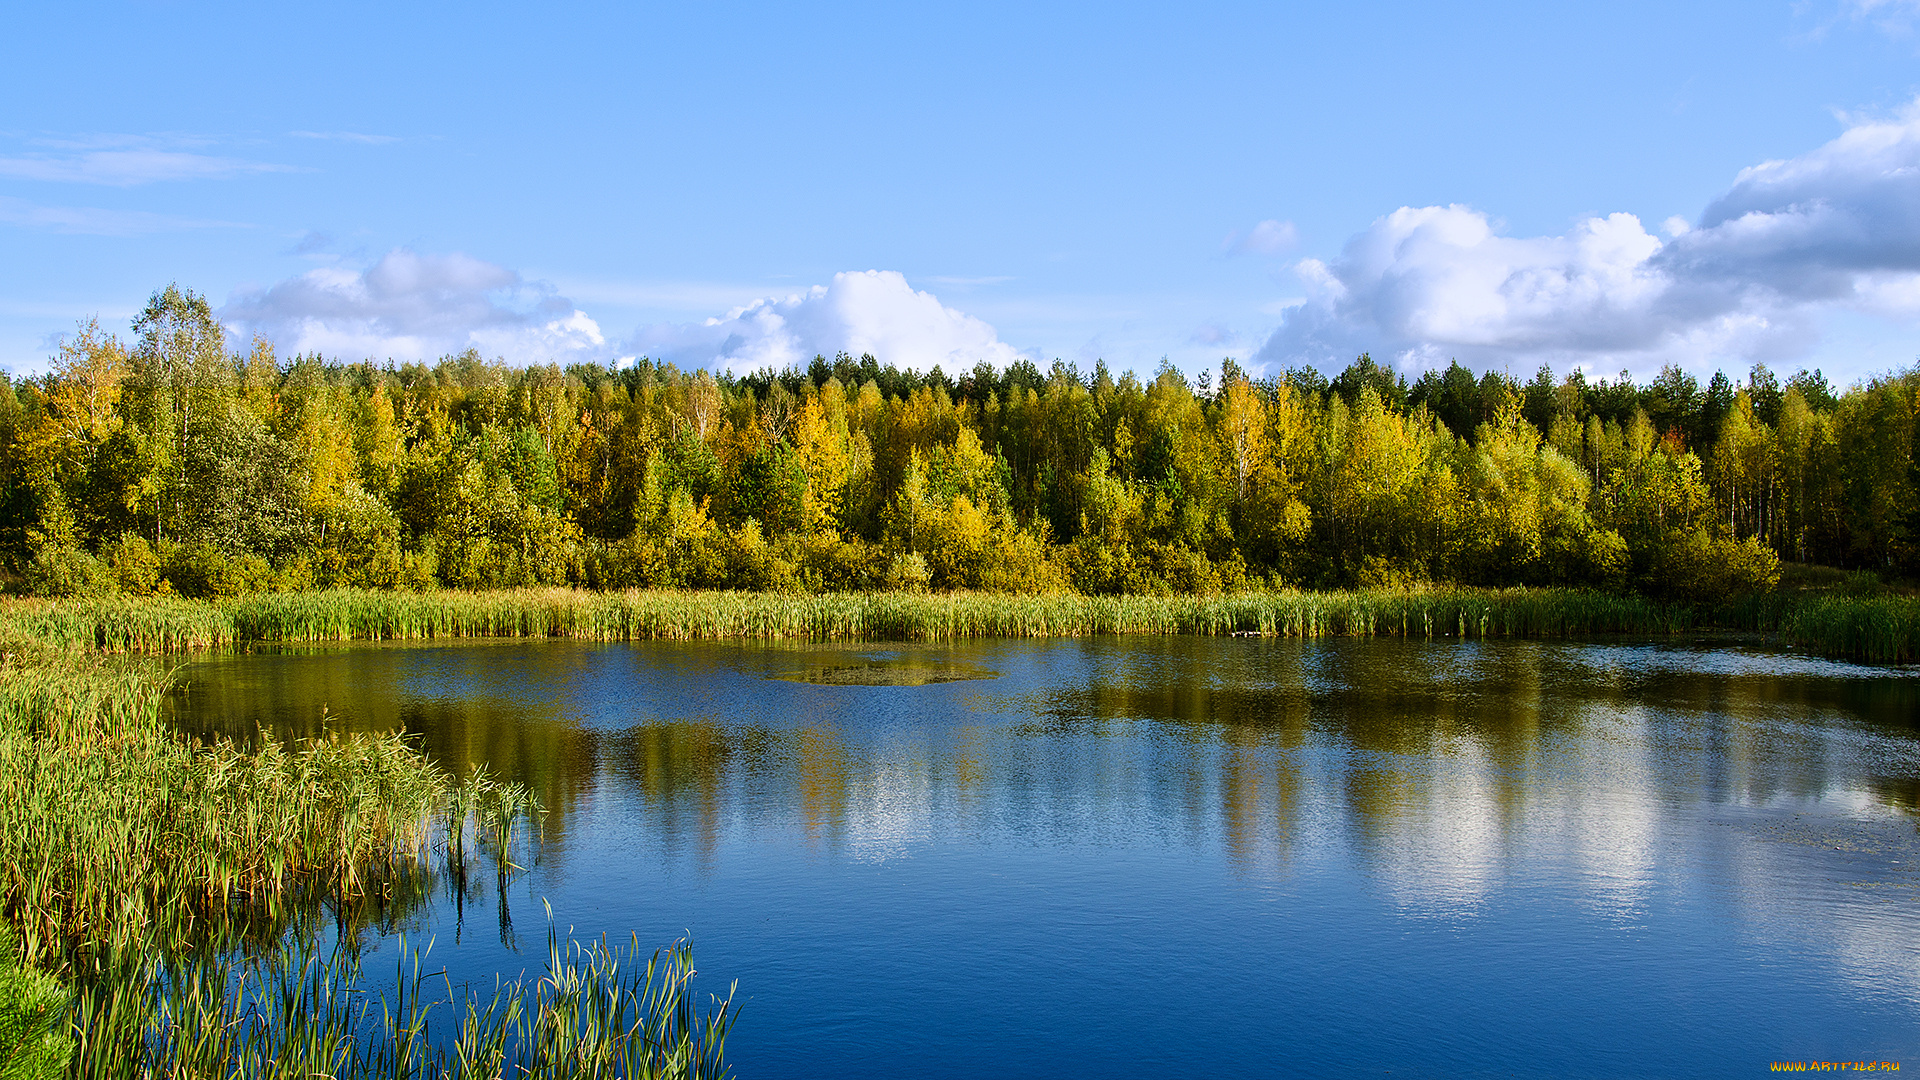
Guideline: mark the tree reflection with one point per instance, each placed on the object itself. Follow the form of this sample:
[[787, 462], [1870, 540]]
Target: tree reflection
[[1430, 760]]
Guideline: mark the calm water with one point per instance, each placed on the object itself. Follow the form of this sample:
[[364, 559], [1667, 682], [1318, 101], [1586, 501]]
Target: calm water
[[1192, 856]]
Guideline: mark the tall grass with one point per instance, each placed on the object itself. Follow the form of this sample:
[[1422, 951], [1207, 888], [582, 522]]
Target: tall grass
[[599, 1010], [108, 820], [348, 615], [621, 616], [1879, 629], [161, 883], [1876, 629]]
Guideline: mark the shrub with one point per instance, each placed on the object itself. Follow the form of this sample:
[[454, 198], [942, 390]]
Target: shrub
[[1703, 564], [1022, 563], [360, 543], [62, 570], [908, 573], [204, 572], [134, 565]]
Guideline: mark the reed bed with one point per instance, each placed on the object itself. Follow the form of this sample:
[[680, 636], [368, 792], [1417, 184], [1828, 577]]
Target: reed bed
[[641, 615], [356, 615], [1874, 629], [150, 887], [118, 624], [107, 819], [1878, 629], [600, 1010]]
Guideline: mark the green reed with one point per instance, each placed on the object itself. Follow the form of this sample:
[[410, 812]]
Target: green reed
[[348, 615], [299, 1010], [108, 819], [1875, 628], [618, 616], [154, 885]]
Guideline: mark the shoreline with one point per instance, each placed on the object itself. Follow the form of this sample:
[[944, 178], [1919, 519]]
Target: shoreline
[[1872, 629]]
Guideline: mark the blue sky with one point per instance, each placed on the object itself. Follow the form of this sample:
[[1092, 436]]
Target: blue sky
[[712, 183]]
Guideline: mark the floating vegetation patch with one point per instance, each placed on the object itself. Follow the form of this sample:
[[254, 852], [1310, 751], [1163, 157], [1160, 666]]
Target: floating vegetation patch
[[888, 671]]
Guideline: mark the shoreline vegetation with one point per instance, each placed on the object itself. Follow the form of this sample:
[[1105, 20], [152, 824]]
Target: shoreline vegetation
[[1871, 627], [162, 899], [173, 909]]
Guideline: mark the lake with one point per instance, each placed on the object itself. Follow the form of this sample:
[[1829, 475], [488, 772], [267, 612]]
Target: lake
[[1177, 856]]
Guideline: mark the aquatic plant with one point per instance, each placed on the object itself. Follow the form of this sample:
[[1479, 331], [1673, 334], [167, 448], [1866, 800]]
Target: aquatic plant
[[108, 819], [1874, 628], [300, 1010], [164, 894], [352, 614]]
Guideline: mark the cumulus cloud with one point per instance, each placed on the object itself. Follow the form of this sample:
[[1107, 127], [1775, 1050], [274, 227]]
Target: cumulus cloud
[[315, 242], [1790, 242], [1270, 237], [411, 306], [1212, 335], [873, 311]]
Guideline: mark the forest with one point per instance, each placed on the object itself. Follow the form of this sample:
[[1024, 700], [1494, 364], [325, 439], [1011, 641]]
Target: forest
[[167, 463]]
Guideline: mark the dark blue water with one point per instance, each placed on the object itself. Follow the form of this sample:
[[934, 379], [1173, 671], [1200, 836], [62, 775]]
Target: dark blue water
[[1140, 857]]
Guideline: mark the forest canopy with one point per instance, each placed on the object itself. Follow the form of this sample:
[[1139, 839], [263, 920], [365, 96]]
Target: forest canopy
[[168, 463]]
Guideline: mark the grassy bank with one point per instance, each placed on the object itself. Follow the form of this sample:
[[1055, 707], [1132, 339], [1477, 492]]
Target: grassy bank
[[163, 896], [1877, 629], [108, 821], [159, 626]]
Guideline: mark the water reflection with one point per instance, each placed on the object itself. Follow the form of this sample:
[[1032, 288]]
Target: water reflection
[[1451, 753], [1602, 826]]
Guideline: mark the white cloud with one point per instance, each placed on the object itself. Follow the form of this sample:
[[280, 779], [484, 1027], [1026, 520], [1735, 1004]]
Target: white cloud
[[126, 168], [1270, 237], [1212, 335], [346, 136], [874, 311], [1893, 16], [93, 221], [673, 296], [314, 243], [1836, 229], [410, 306]]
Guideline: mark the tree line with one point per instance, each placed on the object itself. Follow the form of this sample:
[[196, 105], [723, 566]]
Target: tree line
[[169, 463]]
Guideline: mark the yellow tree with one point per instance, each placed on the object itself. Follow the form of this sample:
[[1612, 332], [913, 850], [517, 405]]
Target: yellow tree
[[1279, 515], [1243, 433], [1743, 460], [83, 392], [1505, 527], [822, 446], [703, 403], [1803, 445], [318, 424], [60, 454], [1376, 470], [260, 379], [377, 441]]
